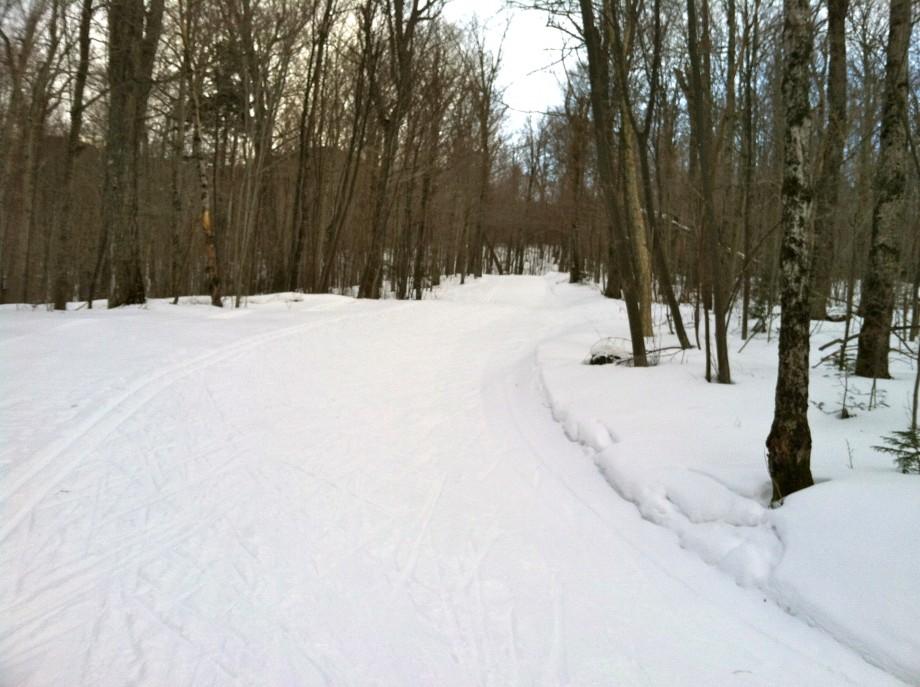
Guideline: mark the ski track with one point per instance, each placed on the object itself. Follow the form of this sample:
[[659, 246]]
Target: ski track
[[107, 418], [378, 497]]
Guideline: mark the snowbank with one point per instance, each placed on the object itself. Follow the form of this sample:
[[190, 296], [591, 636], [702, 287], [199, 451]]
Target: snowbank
[[691, 457]]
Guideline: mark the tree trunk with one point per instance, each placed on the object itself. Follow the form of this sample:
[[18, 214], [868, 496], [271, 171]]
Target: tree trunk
[[63, 263], [370, 283], [598, 73], [175, 180], [134, 32], [700, 116], [638, 234], [747, 129], [662, 268], [890, 205], [306, 143], [212, 268], [828, 190], [401, 28], [789, 442]]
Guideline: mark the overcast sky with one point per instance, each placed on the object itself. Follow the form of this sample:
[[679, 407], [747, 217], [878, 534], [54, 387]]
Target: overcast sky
[[530, 76]]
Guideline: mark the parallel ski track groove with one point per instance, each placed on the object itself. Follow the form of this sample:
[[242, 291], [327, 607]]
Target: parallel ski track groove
[[113, 413]]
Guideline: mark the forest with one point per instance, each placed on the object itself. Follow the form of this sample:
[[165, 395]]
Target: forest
[[251, 146]]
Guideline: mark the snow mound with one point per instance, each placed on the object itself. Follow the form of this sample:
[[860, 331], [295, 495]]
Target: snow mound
[[725, 529], [690, 456], [610, 351], [851, 565]]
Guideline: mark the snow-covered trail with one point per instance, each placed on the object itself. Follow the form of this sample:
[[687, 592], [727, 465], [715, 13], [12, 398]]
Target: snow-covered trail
[[343, 493]]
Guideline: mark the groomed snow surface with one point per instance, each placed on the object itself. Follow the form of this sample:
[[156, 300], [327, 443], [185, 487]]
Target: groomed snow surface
[[315, 490]]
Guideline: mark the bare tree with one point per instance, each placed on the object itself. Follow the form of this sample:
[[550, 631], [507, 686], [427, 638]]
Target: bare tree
[[134, 31], [599, 79], [19, 50], [189, 27], [308, 142], [364, 69], [789, 442], [576, 130], [484, 70], [63, 279], [37, 113], [890, 195], [750, 56], [401, 22], [700, 92], [828, 191]]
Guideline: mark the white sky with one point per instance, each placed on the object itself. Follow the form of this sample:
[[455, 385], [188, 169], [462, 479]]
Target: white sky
[[531, 78]]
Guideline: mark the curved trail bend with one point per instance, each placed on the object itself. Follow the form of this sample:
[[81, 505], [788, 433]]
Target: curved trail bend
[[343, 493]]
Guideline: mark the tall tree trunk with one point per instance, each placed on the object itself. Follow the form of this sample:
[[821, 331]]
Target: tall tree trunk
[[212, 267], [701, 118], [371, 275], [134, 32], [63, 262], [638, 234], [306, 144], [576, 107], [662, 268], [13, 136], [175, 180], [652, 211], [890, 205], [789, 442], [422, 226], [38, 113], [402, 22], [404, 238], [748, 146], [828, 190], [477, 243], [598, 73]]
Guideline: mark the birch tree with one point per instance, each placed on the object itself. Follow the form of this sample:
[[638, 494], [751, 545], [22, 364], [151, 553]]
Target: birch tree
[[789, 441]]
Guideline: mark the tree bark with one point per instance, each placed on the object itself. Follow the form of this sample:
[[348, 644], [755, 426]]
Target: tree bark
[[212, 267], [599, 78], [701, 118], [748, 146], [176, 176], [789, 441], [638, 234], [828, 190], [306, 143], [402, 23], [134, 32], [63, 262], [890, 205]]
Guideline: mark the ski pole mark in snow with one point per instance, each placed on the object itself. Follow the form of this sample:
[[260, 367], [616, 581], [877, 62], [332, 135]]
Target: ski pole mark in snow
[[556, 660], [425, 522]]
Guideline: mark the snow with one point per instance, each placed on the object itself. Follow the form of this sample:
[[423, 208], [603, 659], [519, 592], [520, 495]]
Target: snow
[[860, 533], [842, 556], [319, 490]]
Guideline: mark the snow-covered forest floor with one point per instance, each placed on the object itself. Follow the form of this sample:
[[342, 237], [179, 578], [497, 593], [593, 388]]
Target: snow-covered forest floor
[[320, 490]]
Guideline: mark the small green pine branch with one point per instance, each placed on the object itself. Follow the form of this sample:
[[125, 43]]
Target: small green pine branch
[[905, 447]]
